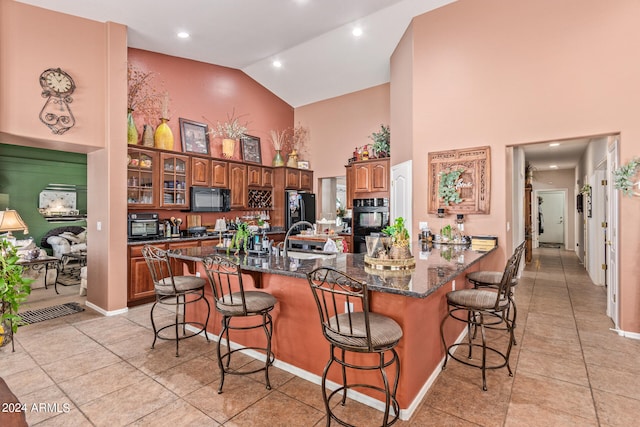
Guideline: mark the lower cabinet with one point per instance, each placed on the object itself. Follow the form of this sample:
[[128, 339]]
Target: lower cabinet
[[140, 286]]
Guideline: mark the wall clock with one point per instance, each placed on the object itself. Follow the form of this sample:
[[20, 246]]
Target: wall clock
[[57, 87]]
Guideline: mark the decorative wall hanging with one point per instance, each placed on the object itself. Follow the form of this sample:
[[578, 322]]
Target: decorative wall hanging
[[195, 136], [472, 185], [251, 149], [57, 87]]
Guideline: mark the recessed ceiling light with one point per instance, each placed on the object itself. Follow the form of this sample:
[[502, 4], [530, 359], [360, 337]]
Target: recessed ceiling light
[[357, 32], [183, 35], [553, 166], [277, 63], [554, 144]]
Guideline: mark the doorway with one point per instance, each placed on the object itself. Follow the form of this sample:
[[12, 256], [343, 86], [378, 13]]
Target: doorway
[[550, 218]]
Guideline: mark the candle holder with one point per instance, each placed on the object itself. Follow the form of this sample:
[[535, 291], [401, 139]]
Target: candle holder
[[440, 212]]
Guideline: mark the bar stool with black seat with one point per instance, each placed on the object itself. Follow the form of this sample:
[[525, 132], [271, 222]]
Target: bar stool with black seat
[[232, 301], [176, 291], [491, 279], [481, 308], [355, 331]]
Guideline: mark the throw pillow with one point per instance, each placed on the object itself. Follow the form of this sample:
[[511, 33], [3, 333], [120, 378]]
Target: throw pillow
[[70, 237]]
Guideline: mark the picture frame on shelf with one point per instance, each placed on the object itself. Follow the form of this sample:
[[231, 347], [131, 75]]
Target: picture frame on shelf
[[251, 149], [194, 136], [303, 164]]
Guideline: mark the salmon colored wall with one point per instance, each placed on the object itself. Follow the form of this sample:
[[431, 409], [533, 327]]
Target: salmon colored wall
[[32, 40], [207, 93], [401, 98], [500, 73], [338, 125], [95, 55]]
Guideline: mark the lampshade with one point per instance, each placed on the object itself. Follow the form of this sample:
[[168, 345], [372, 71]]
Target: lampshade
[[10, 221]]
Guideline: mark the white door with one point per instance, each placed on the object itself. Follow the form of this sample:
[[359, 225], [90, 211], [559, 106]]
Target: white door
[[401, 193], [613, 198], [551, 221]]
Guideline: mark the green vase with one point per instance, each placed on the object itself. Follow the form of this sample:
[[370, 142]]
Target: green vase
[[132, 132], [277, 159]]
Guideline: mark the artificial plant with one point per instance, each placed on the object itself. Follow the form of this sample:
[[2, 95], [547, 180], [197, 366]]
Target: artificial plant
[[240, 240], [14, 289], [398, 233], [448, 186]]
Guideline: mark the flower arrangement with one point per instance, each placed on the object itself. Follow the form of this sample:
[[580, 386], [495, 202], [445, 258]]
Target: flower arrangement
[[624, 175], [398, 233], [279, 139], [381, 141], [141, 95], [232, 128], [300, 139], [448, 186]]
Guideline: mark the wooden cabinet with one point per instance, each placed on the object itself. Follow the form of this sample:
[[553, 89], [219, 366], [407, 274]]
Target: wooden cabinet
[[141, 178], [140, 289], [371, 176], [238, 185], [296, 179], [350, 189], [219, 174], [173, 176], [306, 180], [200, 171], [259, 176]]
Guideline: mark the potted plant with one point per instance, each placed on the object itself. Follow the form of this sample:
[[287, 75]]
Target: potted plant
[[240, 240], [14, 290], [230, 131], [399, 239], [623, 177], [381, 141], [448, 186]]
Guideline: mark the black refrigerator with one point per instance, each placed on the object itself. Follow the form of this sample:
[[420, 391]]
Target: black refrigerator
[[300, 206]]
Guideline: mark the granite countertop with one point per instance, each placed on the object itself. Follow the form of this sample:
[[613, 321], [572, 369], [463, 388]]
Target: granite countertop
[[188, 238], [434, 267]]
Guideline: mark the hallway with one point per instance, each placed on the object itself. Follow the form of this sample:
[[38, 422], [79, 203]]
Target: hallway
[[569, 370]]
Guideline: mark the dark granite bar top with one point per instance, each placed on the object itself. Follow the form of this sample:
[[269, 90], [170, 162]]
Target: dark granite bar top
[[434, 267], [188, 238]]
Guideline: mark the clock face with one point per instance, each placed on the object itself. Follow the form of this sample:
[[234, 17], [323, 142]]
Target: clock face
[[57, 81]]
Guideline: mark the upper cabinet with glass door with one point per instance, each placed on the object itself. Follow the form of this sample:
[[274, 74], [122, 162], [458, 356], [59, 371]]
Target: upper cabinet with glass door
[[173, 178], [141, 174]]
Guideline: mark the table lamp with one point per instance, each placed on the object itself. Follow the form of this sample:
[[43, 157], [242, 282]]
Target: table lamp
[[10, 221]]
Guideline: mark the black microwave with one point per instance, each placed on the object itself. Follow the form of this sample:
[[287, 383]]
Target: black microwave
[[210, 199]]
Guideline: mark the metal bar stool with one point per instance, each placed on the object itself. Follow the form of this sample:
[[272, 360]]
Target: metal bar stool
[[176, 291], [232, 301], [491, 279], [355, 331], [481, 308]]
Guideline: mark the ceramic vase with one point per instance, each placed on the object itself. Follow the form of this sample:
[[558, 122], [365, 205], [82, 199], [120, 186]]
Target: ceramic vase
[[147, 136], [277, 159], [228, 147], [132, 132], [163, 136], [293, 159]]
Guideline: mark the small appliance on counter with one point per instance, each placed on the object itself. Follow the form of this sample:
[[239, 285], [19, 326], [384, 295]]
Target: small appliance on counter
[[143, 226]]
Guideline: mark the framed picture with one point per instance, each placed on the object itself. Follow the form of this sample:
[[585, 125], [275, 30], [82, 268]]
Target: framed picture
[[303, 164], [195, 137], [251, 149]]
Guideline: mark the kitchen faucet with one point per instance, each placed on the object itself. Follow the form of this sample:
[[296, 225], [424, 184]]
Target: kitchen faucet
[[286, 237]]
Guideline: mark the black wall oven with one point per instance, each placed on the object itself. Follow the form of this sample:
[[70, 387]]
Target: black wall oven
[[369, 216]]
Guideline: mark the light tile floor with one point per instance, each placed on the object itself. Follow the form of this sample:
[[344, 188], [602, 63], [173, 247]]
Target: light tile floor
[[570, 369]]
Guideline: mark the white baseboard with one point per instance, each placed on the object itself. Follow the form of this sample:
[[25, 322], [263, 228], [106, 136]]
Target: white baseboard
[[632, 335], [105, 312]]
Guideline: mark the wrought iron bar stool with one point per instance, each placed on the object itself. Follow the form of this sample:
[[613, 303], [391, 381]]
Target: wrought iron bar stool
[[481, 308], [361, 331], [491, 279], [232, 301], [177, 291]]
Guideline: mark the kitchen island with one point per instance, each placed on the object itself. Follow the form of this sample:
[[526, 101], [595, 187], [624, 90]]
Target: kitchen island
[[415, 299]]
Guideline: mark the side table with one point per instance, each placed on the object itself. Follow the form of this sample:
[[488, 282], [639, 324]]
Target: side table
[[80, 257], [42, 262]]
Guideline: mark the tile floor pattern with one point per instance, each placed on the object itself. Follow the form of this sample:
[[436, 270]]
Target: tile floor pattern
[[569, 370]]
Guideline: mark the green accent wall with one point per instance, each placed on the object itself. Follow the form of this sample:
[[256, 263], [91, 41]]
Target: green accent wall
[[26, 171]]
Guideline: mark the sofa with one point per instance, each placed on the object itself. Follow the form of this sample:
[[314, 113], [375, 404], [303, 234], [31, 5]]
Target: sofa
[[62, 240]]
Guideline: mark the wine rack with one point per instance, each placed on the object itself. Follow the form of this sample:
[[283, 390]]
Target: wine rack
[[260, 199]]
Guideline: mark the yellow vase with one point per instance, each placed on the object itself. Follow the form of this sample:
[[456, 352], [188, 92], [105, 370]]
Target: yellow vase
[[228, 147], [163, 137]]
